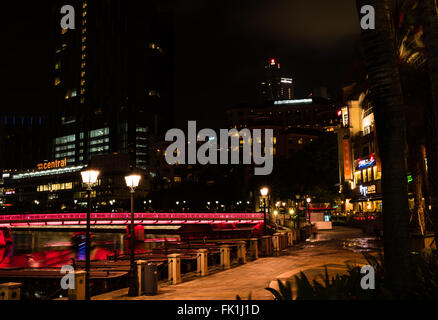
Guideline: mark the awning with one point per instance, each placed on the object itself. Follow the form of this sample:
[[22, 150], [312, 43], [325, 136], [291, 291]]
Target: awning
[[370, 198]]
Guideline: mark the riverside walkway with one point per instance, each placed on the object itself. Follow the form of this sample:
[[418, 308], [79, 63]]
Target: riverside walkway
[[332, 248]]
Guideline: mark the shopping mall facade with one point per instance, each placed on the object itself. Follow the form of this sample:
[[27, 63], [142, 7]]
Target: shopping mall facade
[[359, 161]]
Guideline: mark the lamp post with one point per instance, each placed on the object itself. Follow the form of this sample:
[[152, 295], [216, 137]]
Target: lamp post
[[132, 183], [308, 199], [89, 177], [264, 192]]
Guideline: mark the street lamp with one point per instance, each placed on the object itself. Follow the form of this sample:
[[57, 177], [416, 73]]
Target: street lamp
[[89, 177], [132, 183], [308, 199], [264, 192]]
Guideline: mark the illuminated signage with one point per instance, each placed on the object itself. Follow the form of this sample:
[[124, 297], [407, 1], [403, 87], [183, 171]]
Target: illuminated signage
[[52, 164], [286, 80], [296, 101], [348, 172], [272, 61], [365, 163], [365, 190]]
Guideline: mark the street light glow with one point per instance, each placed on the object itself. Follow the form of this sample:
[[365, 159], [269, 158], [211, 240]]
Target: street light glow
[[89, 177], [264, 191], [132, 180], [308, 199]]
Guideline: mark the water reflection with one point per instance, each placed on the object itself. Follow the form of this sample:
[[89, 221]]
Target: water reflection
[[37, 249]]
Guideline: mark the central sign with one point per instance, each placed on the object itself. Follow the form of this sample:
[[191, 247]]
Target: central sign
[[52, 164]]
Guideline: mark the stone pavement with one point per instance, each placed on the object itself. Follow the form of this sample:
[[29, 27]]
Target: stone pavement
[[332, 248]]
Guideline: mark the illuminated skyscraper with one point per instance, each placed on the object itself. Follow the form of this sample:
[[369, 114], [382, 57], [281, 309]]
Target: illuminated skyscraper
[[111, 89], [276, 87]]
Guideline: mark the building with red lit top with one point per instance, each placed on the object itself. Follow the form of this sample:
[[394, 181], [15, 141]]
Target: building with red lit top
[[275, 86]]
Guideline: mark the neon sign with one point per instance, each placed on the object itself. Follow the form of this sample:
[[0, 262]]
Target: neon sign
[[365, 190], [365, 163], [52, 165]]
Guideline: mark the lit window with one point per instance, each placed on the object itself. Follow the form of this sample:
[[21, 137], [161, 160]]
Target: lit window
[[99, 132], [65, 139], [84, 38], [84, 30], [82, 100], [83, 82], [83, 56], [57, 65], [84, 13], [57, 81], [64, 31], [84, 5], [82, 74], [84, 47], [82, 65]]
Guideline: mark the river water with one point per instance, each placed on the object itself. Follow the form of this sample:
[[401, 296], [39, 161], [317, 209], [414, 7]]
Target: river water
[[55, 248]]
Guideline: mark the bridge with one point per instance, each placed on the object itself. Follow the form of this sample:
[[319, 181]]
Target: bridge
[[122, 219]]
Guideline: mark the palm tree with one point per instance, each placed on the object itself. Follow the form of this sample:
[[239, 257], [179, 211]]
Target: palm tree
[[387, 97], [431, 41]]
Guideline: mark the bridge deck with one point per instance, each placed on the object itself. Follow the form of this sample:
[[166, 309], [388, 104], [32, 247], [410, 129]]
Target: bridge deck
[[144, 218]]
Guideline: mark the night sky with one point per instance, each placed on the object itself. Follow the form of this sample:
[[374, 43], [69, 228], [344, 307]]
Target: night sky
[[221, 47], [224, 45]]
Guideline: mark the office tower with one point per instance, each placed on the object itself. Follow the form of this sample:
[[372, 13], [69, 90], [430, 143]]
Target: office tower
[[275, 86], [111, 80]]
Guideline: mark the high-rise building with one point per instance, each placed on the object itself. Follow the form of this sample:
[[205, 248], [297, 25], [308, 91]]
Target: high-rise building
[[276, 87], [110, 80]]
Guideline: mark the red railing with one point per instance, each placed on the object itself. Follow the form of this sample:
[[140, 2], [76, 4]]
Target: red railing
[[54, 219]]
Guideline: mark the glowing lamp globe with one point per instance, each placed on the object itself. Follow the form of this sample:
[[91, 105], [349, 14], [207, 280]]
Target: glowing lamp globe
[[89, 177], [264, 191], [132, 181]]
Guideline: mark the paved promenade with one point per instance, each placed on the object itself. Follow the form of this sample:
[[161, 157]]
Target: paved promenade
[[332, 248]]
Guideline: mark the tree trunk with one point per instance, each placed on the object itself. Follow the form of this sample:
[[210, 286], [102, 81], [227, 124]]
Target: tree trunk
[[419, 210], [431, 41], [386, 92]]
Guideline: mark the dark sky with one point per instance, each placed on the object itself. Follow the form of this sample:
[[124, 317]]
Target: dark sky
[[221, 47]]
